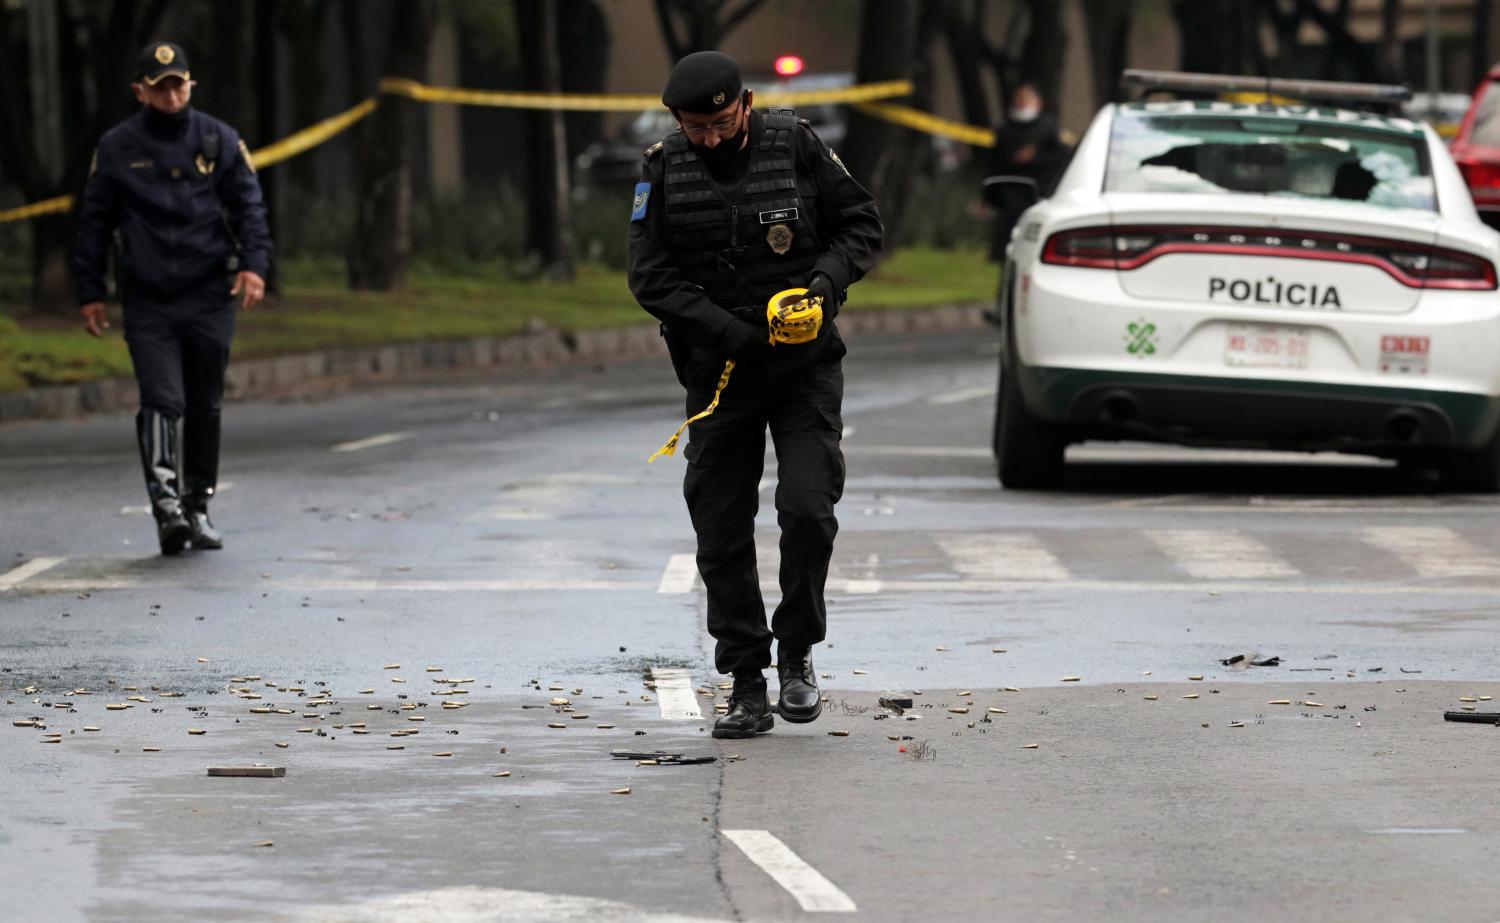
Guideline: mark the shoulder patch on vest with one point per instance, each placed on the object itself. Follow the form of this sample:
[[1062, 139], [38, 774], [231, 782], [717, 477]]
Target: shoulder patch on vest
[[638, 205], [836, 160], [245, 155], [655, 148]]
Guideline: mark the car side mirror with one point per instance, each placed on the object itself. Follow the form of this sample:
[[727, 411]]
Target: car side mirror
[[1010, 193]]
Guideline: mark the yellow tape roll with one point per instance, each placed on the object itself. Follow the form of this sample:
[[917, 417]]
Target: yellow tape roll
[[793, 318]]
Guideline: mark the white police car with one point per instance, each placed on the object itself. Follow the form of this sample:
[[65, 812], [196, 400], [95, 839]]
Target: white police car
[[1293, 276]]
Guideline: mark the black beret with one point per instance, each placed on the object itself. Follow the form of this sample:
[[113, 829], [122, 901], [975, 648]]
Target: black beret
[[161, 59], [702, 82]]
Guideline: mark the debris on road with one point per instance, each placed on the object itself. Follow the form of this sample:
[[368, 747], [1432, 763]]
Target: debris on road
[[254, 772], [1473, 717], [1245, 661]]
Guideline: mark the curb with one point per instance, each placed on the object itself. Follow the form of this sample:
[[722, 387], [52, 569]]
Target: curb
[[327, 371]]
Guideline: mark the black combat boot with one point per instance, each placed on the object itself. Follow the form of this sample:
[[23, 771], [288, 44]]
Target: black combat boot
[[800, 701], [200, 475], [749, 709], [157, 437]]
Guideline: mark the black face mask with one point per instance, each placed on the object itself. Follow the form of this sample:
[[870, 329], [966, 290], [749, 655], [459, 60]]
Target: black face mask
[[166, 122], [727, 150]]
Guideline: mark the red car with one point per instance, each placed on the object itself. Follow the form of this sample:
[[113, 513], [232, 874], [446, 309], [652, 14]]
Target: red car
[[1476, 148]]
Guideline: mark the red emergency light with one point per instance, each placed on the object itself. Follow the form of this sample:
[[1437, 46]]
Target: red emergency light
[[788, 65]]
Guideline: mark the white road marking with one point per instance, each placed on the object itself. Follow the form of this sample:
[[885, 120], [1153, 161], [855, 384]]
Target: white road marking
[[921, 451], [1417, 830], [18, 575], [370, 442], [675, 695], [680, 575], [815, 893], [1136, 452], [1433, 551], [1002, 556], [1220, 554], [962, 395], [475, 904]]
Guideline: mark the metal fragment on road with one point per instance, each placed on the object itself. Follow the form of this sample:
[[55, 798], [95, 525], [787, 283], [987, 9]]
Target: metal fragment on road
[[959, 711], [444, 753], [1197, 677], [392, 666], [1030, 746], [620, 791], [1191, 695], [1010, 689], [151, 749], [502, 775], [997, 711], [196, 732], [554, 725], [395, 746], [860, 672], [282, 744], [1149, 698], [90, 727], [604, 727], [1279, 702], [116, 706], [1070, 679], [1313, 705]]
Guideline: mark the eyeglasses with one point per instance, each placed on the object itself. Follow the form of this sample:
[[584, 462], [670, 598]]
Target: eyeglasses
[[720, 128]]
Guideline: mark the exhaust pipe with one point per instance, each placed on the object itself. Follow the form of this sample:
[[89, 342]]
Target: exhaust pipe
[[1119, 408], [1403, 427]]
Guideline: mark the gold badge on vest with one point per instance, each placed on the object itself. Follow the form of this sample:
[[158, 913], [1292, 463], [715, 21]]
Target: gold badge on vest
[[780, 238]]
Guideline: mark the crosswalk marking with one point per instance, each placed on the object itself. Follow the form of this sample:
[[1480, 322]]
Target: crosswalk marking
[[1433, 551], [1002, 556], [680, 575], [674, 694], [1220, 554], [359, 445], [17, 575], [813, 892]]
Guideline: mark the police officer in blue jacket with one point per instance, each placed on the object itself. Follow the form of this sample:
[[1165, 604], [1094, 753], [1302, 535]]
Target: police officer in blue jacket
[[176, 190]]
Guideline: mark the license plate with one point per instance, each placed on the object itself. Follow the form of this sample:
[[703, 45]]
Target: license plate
[[1272, 346]]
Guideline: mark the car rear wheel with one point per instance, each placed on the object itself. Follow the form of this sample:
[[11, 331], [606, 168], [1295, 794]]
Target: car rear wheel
[[1028, 451], [1474, 470]]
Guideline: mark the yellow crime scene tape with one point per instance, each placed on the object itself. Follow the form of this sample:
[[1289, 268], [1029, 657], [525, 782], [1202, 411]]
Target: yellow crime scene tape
[[792, 318], [865, 97]]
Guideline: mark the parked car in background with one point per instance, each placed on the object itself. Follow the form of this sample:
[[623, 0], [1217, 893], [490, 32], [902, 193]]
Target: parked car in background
[[1476, 148]]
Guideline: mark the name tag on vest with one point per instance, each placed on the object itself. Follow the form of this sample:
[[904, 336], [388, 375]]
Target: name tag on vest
[[780, 214]]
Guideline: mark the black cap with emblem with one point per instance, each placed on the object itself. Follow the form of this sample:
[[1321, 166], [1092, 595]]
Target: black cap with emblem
[[161, 59], [703, 82]]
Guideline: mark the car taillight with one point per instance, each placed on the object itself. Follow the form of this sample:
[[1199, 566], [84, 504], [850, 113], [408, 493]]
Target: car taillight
[[1481, 175], [1412, 264], [1096, 248]]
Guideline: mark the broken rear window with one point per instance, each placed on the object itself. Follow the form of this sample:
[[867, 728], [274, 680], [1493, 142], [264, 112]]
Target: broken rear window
[[1268, 155]]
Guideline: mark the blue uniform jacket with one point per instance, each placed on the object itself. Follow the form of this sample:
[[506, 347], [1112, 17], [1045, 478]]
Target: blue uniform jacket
[[163, 195]]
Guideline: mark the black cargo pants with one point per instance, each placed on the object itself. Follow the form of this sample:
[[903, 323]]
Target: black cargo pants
[[180, 349], [725, 456]]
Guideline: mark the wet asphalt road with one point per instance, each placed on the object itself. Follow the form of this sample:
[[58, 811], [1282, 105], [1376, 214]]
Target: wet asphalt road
[[508, 533]]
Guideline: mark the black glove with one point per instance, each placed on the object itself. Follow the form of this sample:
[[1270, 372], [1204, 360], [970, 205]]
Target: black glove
[[743, 341], [820, 286]]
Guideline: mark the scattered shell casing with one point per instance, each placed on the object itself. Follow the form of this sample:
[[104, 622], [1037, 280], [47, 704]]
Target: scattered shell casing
[[1149, 698], [151, 749], [605, 727], [444, 753], [838, 733], [1196, 677], [1010, 689], [282, 744], [502, 775], [1279, 702], [1029, 746], [620, 791], [197, 732], [1191, 695], [1070, 679], [556, 725], [959, 711], [997, 711]]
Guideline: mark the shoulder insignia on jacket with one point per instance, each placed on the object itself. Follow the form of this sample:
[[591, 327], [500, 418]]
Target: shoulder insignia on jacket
[[245, 153], [654, 149], [835, 156]]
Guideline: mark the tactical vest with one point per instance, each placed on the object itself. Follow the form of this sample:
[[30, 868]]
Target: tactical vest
[[742, 244]]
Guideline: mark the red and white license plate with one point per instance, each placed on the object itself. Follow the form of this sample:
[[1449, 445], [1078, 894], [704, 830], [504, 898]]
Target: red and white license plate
[[1275, 346]]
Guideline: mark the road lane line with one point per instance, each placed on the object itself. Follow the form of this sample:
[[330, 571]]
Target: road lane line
[[961, 396], [18, 575], [1416, 830], [370, 442], [1433, 551], [675, 695], [1002, 556], [815, 893], [920, 451], [1220, 554], [680, 575]]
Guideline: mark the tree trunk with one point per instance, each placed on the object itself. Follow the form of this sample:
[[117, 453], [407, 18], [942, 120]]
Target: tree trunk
[[893, 40], [1046, 45], [266, 112], [381, 247], [584, 39], [548, 190], [1218, 36], [1108, 25], [965, 50], [1480, 49]]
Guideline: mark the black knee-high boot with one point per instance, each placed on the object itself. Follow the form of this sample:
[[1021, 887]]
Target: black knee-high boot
[[157, 436]]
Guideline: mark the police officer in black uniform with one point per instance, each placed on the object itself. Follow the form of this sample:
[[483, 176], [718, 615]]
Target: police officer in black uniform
[[176, 190], [734, 207]]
